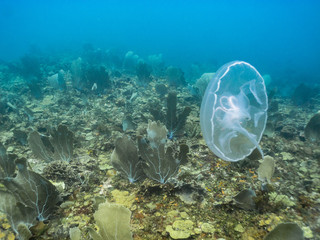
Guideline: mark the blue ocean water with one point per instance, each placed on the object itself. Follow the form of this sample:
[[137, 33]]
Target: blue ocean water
[[280, 38], [189, 119]]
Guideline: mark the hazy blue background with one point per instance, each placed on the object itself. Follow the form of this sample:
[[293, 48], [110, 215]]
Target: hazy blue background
[[277, 37]]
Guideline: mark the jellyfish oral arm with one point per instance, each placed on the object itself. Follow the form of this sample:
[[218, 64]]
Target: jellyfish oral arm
[[234, 116]]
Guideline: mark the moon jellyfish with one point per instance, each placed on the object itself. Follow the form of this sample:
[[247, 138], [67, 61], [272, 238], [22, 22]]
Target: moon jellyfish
[[233, 111]]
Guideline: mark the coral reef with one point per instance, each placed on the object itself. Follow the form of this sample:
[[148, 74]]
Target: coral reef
[[113, 131]]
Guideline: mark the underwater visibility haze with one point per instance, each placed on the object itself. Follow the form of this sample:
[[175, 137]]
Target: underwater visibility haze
[[159, 119]]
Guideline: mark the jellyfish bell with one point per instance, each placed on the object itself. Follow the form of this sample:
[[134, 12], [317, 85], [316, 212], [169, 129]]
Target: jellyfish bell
[[233, 112]]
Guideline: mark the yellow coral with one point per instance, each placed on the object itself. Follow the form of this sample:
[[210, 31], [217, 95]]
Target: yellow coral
[[2, 235], [123, 198], [5, 225], [11, 236]]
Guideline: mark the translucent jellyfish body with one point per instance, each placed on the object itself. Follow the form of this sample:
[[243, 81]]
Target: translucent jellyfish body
[[233, 111]]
